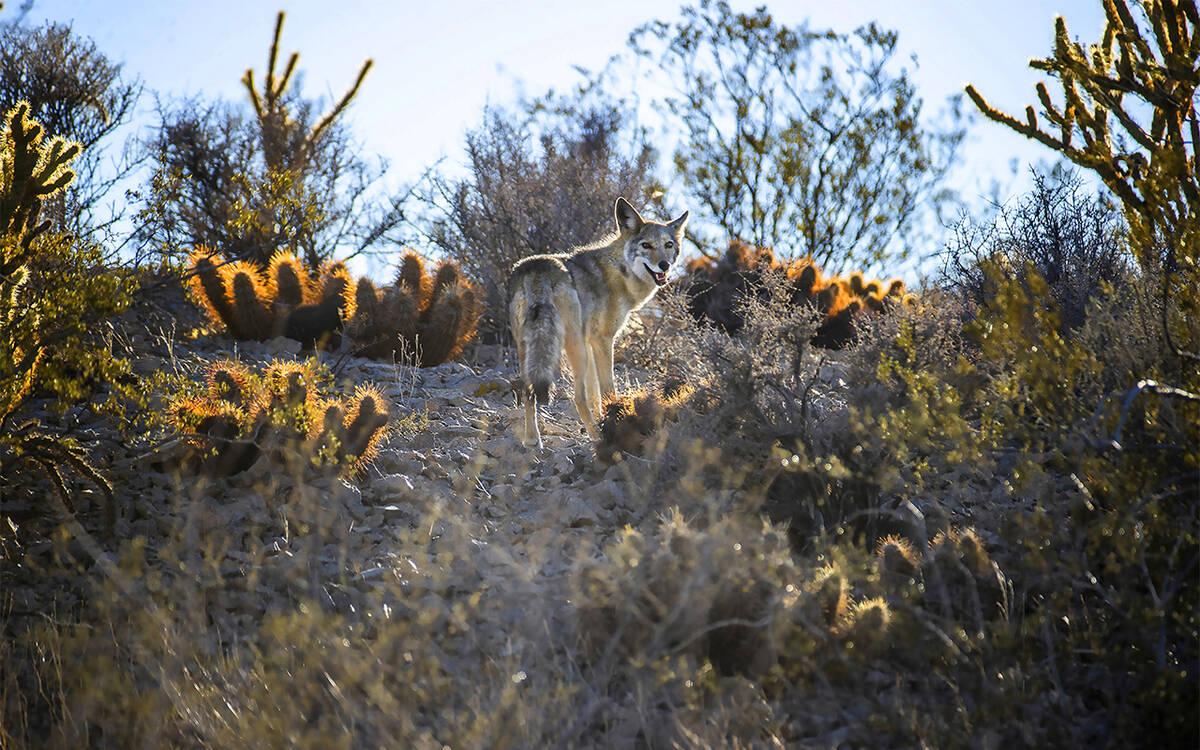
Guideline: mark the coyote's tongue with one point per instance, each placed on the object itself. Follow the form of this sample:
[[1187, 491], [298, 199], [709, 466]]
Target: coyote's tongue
[[660, 278]]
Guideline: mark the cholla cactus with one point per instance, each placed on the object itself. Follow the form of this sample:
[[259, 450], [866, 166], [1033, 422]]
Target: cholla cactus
[[962, 576], [832, 594], [224, 416], [317, 324], [352, 435], [427, 319], [1147, 56], [280, 413], [33, 168], [717, 289], [293, 287]]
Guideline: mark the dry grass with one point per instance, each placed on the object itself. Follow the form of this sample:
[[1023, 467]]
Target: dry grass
[[930, 538]]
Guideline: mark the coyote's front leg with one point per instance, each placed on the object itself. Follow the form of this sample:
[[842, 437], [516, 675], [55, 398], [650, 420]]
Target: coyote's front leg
[[582, 373], [602, 360]]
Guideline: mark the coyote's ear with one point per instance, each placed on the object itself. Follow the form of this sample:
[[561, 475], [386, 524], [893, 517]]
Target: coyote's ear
[[628, 219], [679, 223]]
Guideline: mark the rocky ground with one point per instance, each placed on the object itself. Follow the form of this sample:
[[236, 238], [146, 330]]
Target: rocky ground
[[453, 567], [462, 465]]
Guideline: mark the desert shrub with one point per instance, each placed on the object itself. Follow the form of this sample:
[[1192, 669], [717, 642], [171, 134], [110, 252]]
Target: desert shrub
[[421, 318], [1073, 241], [806, 139], [53, 293], [699, 625], [1038, 415], [717, 291], [281, 413], [1077, 470], [1140, 77], [710, 633], [279, 177], [541, 178], [228, 621], [1112, 508], [658, 337], [78, 94], [653, 594]]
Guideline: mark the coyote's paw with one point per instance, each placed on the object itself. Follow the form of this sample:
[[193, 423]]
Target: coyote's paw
[[532, 443]]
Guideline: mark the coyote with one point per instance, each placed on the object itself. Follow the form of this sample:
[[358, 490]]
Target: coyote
[[579, 301]]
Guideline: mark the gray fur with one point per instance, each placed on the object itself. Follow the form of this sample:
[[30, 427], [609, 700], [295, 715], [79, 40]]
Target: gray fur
[[577, 302], [543, 332]]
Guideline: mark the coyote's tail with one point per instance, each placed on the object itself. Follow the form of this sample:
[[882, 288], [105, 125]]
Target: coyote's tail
[[543, 342]]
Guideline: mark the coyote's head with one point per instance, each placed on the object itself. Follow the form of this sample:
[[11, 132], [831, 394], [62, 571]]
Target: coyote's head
[[650, 247]]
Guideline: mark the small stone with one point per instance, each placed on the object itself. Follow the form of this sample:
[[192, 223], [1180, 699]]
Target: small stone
[[398, 513], [147, 365], [282, 345], [400, 462], [462, 431], [392, 485], [499, 447], [506, 494]]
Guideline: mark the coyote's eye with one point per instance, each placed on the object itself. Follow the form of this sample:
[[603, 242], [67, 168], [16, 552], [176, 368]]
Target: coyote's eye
[[647, 246], [670, 244]]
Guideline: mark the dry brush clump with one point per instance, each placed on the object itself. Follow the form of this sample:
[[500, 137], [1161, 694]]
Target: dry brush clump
[[421, 318], [667, 615], [717, 291], [281, 413], [1077, 243], [701, 633]]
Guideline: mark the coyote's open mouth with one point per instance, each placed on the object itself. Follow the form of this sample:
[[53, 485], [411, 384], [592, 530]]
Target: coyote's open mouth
[[660, 277]]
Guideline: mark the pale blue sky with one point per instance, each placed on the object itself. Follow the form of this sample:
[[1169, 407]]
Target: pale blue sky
[[437, 63]]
